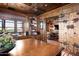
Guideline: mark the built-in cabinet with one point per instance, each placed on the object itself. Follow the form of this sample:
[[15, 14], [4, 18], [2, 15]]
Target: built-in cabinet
[[33, 26]]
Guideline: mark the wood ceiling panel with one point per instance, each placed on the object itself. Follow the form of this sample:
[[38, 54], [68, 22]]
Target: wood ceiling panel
[[31, 8], [44, 7]]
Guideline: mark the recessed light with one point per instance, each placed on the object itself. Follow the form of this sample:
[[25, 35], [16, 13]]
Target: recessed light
[[45, 5]]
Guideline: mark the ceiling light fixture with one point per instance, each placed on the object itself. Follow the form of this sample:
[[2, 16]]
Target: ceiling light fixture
[[34, 5], [45, 5]]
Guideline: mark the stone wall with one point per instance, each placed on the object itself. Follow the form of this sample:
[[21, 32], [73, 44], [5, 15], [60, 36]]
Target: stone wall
[[68, 22]]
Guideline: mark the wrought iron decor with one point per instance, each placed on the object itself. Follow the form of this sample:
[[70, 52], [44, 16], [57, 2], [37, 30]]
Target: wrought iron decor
[[70, 26], [61, 15], [76, 19], [65, 21], [77, 13], [62, 20]]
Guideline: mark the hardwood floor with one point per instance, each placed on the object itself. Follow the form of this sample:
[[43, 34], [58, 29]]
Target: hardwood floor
[[32, 47]]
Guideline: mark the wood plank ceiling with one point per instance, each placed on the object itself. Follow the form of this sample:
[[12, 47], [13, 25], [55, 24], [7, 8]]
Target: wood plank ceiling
[[31, 8]]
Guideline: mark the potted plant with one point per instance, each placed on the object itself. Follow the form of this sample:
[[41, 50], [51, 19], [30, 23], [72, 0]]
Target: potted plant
[[6, 42]]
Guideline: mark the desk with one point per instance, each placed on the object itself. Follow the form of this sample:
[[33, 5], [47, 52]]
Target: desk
[[32, 47]]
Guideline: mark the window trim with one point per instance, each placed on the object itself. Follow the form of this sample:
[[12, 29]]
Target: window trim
[[15, 25], [10, 27], [20, 27], [1, 25]]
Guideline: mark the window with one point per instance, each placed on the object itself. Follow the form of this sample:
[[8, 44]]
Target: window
[[41, 24], [19, 26], [0, 25], [9, 25]]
